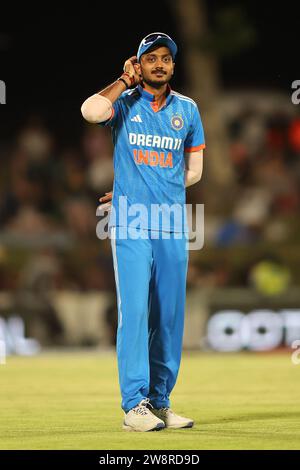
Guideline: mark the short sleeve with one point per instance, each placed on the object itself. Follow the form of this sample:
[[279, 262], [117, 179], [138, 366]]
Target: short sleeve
[[195, 139]]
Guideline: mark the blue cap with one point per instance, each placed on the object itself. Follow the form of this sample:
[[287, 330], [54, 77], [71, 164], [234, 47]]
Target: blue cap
[[158, 39]]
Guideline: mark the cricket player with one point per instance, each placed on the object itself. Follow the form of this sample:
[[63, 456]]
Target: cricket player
[[158, 152]]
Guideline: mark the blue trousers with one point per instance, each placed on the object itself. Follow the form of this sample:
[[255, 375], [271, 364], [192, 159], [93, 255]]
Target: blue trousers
[[150, 276]]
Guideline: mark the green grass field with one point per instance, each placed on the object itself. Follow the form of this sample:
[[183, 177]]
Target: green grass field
[[72, 401]]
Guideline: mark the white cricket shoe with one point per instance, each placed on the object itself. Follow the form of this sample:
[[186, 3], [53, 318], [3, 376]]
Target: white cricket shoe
[[140, 418], [171, 419]]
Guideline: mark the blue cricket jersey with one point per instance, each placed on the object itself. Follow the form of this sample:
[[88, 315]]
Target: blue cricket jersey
[[149, 147]]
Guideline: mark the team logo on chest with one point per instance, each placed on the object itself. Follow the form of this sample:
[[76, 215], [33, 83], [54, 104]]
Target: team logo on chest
[[177, 122]]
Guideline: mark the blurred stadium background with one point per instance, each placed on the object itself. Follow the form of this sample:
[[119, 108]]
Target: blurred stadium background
[[56, 278], [54, 273]]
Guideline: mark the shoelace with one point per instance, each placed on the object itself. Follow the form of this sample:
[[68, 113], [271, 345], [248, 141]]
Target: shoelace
[[166, 410], [142, 407]]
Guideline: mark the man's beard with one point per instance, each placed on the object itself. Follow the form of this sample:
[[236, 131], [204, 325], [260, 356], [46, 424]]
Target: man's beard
[[156, 84]]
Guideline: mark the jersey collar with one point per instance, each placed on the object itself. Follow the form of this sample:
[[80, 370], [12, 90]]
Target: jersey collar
[[147, 95]]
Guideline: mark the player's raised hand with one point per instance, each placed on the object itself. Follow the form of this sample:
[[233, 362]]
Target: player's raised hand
[[133, 70]]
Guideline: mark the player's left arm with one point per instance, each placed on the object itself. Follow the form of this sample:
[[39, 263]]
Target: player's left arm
[[193, 167], [193, 149]]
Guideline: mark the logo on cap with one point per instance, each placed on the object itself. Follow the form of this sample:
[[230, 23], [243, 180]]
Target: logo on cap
[[156, 38]]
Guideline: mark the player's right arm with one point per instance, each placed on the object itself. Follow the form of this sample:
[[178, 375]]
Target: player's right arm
[[99, 107]]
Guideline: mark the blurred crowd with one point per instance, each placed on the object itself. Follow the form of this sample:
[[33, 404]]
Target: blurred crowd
[[264, 151], [50, 193], [261, 231], [49, 197]]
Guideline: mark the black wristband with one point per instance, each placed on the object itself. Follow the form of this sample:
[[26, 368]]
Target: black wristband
[[122, 80]]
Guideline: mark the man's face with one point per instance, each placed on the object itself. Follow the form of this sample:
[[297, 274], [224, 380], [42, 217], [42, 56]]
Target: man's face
[[157, 67]]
